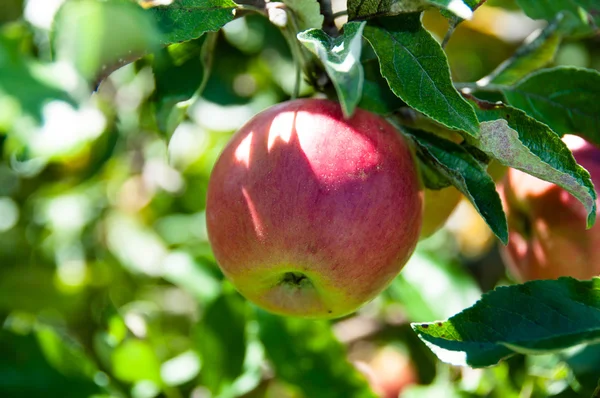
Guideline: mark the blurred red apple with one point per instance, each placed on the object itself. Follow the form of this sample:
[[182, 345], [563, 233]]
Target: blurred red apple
[[393, 372], [548, 236], [310, 214], [388, 372]]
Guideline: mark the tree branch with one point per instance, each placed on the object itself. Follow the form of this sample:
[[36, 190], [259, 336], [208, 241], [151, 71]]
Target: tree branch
[[329, 19]]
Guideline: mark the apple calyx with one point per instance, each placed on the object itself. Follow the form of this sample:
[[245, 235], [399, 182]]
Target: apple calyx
[[295, 280]]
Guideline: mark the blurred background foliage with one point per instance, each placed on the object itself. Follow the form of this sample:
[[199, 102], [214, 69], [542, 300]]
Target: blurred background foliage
[[108, 287]]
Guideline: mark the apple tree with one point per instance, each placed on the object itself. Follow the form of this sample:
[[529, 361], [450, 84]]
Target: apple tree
[[451, 149]]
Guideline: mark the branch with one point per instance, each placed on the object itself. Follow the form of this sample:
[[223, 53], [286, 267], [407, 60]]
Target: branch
[[453, 25], [470, 87], [329, 19]]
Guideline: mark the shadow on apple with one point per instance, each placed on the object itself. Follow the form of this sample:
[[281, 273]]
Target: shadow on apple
[[312, 215]]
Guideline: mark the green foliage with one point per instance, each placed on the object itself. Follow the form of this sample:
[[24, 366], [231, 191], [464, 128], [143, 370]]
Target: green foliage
[[581, 16], [25, 371], [433, 287], [120, 32], [523, 143], [369, 8], [416, 69], [341, 58], [536, 317], [221, 341], [180, 71], [564, 98], [376, 94], [458, 8], [26, 84], [375, 8], [529, 57], [63, 354], [307, 13], [189, 19], [584, 362], [112, 114], [467, 174], [135, 360], [316, 365]]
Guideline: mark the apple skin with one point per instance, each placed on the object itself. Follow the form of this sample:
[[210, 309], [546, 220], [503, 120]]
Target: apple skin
[[547, 226], [439, 204], [393, 372], [388, 372], [312, 215]]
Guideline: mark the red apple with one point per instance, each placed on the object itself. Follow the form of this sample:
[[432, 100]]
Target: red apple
[[548, 236], [389, 372], [393, 372], [310, 214]]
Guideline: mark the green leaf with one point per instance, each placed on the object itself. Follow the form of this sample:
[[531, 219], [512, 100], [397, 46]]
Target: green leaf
[[375, 8], [378, 8], [64, 354], [18, 280], [417, 71], [377, 98], [530, 57], [467, 174], [307, 355], [253, 365], [136, 360], [457, 7], [341, 58], [565, 98], [27, 86], [584, 363], [185, 20], [534, 318], [221, 341], [432, 176], [97, 37], [25, 372], [455, 11], [474, 4], [191, 275], [307, 13], [521, 142], [376, 94], [180, 71], [581, 16]]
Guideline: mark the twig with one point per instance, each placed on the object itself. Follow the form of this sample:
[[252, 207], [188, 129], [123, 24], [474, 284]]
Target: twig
[[453, 24], [329, 18], [470, 87], [340, 14], [479, 4]]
